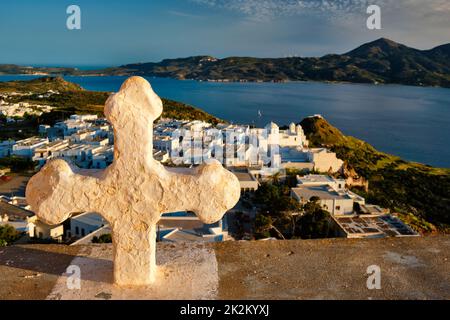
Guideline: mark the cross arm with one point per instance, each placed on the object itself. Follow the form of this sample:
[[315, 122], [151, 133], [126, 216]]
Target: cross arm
[[58, 191], [208, 190]]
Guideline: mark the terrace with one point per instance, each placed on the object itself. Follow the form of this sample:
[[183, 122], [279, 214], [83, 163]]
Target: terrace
[[411, 268], [373, 226]]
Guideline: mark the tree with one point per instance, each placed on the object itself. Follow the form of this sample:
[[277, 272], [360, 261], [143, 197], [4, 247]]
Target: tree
[[263, 224], [275, 178], [315, 222], [8, 235], [275, 199], [17, 164], [104, 238]]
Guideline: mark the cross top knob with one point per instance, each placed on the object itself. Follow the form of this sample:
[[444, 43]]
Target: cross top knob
[[133, 192]]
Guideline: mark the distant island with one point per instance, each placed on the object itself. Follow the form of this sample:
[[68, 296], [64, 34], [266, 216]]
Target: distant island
[[379, 62]]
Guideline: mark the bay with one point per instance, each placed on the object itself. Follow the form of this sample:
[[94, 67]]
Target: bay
[[410, 122]]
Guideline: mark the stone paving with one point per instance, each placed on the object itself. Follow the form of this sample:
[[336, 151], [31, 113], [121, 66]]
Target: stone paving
[[411, 268]]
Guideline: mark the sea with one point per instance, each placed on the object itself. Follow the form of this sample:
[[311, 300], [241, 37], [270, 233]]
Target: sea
[[410, 122]]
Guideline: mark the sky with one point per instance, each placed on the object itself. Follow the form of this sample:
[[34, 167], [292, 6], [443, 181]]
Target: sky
[[116, 32]]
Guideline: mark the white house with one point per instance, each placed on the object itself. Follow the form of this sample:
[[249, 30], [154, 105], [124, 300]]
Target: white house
[[294, 137], [40, 230], [43, 128], [102, 157], [332, 194], [273, 133], [83, 117], [319, 180], [84, 224], [336, 203], [6, 148], [187, 227], [246, 179], [47, 151], [324, 160], [25, 148]]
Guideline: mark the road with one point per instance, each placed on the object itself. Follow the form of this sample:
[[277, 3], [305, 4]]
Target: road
[[15, 187]]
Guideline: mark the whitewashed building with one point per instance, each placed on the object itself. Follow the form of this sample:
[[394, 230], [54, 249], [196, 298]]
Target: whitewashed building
[[332, 193], [26, 148], [84, 224]]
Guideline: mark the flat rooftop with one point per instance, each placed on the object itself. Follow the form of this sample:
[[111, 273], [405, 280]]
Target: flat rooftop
[[243, 176], [54, 144], [14, 211], [31, 142], [411, 268], [317, 178], [323, 192], [186, 236], [382, 225], [90, 218]]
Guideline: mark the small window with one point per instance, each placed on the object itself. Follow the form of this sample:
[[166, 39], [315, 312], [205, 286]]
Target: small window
[[82, 232], [338, 207], [77, 231]]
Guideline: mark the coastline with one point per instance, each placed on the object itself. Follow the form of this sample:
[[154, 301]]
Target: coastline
[[222, 81], [225, 81]]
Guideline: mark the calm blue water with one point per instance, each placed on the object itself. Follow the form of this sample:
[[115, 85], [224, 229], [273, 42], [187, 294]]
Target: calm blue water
[[411, 122]]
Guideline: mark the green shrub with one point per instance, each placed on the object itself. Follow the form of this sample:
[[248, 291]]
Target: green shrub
[[8, 235], [104, 238], [17, 164]]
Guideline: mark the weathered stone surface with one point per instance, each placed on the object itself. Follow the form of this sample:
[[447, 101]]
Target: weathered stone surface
[[411, 268], [185, 271], [135, 190]]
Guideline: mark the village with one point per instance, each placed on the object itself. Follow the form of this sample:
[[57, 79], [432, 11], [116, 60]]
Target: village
[[254, 155], [16, 110]]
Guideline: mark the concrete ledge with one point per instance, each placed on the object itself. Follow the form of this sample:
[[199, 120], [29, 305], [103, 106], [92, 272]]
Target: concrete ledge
[[411, 268]]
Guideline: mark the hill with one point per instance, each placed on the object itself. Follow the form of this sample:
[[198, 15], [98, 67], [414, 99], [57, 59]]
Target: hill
[[39, 85], [73, 99], [382, 61], [418, 192], [16, 69]]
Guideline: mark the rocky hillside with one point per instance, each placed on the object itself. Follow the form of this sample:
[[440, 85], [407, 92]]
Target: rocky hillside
[[380, 61], [421, 194]]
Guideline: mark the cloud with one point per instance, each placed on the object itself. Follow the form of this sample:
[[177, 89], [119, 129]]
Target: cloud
[[269, 9], [316, 27], [183, 14]]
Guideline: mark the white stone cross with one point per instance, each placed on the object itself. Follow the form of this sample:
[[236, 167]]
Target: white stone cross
[[133, 192]]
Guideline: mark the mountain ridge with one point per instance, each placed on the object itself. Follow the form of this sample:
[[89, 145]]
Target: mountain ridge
[[382, 61]]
